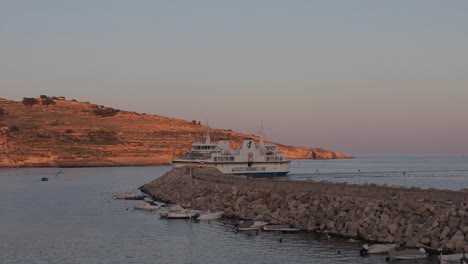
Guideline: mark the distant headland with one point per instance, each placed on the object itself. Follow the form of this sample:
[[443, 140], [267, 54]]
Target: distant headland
[[55, 132]]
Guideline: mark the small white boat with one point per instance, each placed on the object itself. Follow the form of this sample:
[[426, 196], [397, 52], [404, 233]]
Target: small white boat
[[146, 207], [185, 214], [246, 225], [281, 228], [380, 248], [453, 258], [407, 254], [177, 212], [209, 216]]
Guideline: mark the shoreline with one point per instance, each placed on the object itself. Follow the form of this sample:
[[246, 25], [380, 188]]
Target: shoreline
[[108, 163]]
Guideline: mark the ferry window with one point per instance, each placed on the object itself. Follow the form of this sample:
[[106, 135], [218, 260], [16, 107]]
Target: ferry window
[[232, 158]]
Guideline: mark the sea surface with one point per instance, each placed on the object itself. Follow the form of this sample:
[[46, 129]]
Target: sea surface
[[72, 218]]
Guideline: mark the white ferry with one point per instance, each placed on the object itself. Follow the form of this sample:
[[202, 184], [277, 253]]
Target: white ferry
[[253, 159]]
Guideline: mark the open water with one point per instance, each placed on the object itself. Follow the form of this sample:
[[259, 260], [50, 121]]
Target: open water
[[72, 218]]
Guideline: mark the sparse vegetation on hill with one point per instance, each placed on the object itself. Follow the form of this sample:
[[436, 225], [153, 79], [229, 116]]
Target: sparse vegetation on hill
[[103, 137], [14, 128], [105, 112], [29, 101], [47, 101]]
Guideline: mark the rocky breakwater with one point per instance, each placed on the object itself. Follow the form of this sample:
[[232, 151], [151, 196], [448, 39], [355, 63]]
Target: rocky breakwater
[[433, 219]]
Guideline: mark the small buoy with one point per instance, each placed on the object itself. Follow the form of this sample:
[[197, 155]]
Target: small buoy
[[339, 252], [281, 240], [387, 259], [127, 209]]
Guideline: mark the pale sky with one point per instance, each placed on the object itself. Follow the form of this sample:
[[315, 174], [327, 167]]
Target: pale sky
[[360, 77]]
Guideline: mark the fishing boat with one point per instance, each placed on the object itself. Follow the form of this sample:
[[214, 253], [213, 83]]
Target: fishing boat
[[407, 254], [453, 258], [281, 228], [206, 216], [246, 225], [252, 159]]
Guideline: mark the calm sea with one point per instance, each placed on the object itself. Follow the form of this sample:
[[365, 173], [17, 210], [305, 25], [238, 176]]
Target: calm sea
[[73, 219]]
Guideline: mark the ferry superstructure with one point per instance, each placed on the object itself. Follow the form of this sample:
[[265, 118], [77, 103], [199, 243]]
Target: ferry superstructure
[[252, 159]]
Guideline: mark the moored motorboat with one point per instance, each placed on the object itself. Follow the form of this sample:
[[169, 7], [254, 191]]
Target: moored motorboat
[[146, 207], [44, 179], [129, 196], [246, 225], [407, 254], [281, 228], [380, 248], [185, 214], [205, 216], [177, 212], [454, 258]]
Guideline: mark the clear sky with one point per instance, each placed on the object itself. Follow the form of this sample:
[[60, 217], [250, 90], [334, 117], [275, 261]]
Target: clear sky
[[353, 76]]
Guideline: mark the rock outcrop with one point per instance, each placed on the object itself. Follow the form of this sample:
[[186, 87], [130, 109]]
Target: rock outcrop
[[434, 219], [57, 132]]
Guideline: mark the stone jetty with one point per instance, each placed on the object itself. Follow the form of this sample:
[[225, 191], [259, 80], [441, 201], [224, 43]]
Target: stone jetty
[[433, 219]]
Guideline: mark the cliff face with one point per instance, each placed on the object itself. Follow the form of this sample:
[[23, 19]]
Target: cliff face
[[58, 132]]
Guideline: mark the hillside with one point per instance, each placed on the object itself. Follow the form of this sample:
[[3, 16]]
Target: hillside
[[57, 132]]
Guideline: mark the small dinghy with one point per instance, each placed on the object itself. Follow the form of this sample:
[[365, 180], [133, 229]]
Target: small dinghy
[[246, 225], [454, 258], [206, 216], [150, 206], [281, 228], [44, 179], [407, 254]]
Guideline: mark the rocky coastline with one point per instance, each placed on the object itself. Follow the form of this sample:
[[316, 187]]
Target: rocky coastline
[[434, 219]]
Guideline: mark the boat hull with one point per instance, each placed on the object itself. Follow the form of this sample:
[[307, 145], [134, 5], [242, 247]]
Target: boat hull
[[256, 169], [452, 258], [257, 225], [406, 254], [381, 248], [281, 228], [146, 207], [210, 216]]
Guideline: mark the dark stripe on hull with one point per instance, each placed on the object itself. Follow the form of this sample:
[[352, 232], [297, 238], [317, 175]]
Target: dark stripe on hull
[[255, 163], [264, 174]]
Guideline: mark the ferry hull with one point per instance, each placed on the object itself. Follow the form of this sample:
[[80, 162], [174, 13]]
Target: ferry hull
[[256, 169]]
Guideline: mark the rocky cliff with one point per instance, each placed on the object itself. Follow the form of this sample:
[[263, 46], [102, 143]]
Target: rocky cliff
[[57, 132], [433, 219]]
